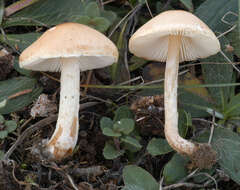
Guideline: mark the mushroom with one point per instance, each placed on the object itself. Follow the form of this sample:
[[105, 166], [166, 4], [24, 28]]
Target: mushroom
[[69, 48], [176, 36]]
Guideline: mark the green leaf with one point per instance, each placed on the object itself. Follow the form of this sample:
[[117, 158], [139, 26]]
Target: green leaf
[[188, 4], [175, 169], [83, 20], [111, 133], [132, 141], [126, 126], [48, 13], [211, 12], [16, 85], [2, 120], [227, 144], [22, 71], [110, 152], [136, 178], [1, 11], [193, 103], [122, 112], [92, 10], [3, 103], [106, 122], [184, 121], [99, 23], [110, 15], [3, 134], [158, 146], [19, 41], [216, 74], [234, 35], [233, 107], [10, 126]]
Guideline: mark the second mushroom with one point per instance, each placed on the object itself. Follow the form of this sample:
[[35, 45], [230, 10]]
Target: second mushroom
[[69, 48], [176, 36]]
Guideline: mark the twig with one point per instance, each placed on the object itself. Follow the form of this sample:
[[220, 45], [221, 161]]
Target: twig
[[17, 6], [23, 92], [107, 2], [204, 120], [71, 181], [132, 13], [149, 10], [161, 183], [189, 176], [49, 76], [177, 185], [28, 132], [212, 129], [18, 181], [226, 57], [89, 76]]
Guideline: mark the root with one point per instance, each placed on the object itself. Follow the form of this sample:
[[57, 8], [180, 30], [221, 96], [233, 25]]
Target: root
[[203, 156]]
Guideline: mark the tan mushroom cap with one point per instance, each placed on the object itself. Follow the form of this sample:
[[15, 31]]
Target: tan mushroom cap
[[69, 40], [151, 40]]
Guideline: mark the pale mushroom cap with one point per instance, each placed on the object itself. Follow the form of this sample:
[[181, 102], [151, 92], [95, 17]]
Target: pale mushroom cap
[[151, 40], [69, 40]]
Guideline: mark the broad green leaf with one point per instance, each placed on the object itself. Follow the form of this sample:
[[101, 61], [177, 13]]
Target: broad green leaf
[[106, 122], [48, 13], [83, 20], [10, 89], [202, 178], [132, 141], [2, 120], [10, 126], [175, 169], [227, 144], [211, 12], [19, 41], [122, 112], [92, 10], [110, 132], [188, 4], [3, 134], [22, 71], [136, 178], [125, 126], [193, 103], [99, 23], [110, 15], [234, 35], [217, 74], [158, 146], [110, 152]]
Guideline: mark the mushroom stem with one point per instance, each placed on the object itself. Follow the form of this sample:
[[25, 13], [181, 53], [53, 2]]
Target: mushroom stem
[[65, 135], [170, 98]]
